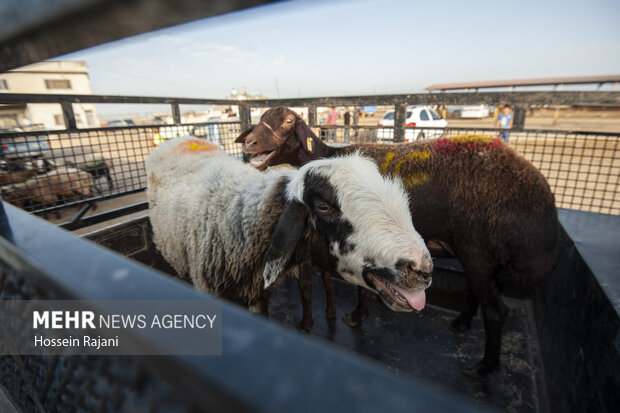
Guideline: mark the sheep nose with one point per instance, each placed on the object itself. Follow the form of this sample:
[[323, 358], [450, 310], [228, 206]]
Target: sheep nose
[[249, 141], [413, 268]]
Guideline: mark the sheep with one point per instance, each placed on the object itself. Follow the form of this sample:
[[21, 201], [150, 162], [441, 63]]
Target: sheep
[[14, 176], [227, 226], [472, 194], [97, 167], [46, 190]]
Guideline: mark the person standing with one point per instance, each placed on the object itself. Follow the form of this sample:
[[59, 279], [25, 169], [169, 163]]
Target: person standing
[[357, 114], [504, 121], [332, 117], [346, 115]]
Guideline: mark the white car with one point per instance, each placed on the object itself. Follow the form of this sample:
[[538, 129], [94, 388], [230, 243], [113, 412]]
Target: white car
[[416, 117], [475, 112]]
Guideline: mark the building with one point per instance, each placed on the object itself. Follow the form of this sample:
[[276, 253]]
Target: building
[[50, 77]]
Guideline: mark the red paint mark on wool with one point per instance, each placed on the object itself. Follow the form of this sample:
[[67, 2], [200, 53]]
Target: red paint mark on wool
[[451, 146]]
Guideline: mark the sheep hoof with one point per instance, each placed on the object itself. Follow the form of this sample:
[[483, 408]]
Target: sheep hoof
[[354, 319], [479, 371], [458, 326]]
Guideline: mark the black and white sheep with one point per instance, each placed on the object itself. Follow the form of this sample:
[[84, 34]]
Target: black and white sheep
[[233, 229], [475, 194]]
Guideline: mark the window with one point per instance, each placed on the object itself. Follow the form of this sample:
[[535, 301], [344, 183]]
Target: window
[[4, 85], [389, 116], [435, 115], [90, 117], [57, 84], [423, 115]]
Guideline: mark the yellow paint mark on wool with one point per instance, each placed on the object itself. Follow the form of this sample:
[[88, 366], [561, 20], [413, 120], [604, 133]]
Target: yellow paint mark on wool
[[420, 156], [473, 138], [386, 162], [197, 145], [415, 179]]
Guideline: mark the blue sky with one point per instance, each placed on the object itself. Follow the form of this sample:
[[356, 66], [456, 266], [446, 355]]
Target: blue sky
[[322, 48]]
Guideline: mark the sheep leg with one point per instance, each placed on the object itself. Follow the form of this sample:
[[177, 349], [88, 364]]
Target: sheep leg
[[305, 290], [110, 182], [355, 318], [494, 313], [462, 323], [330, 310]]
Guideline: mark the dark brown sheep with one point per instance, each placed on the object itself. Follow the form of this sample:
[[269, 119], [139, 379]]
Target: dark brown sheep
[[476, 195]]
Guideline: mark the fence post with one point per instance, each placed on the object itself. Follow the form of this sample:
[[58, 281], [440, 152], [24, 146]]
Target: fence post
[[176, 113], [518, 121], [311, 116], [245, 117], [400, 111], [68, 115]]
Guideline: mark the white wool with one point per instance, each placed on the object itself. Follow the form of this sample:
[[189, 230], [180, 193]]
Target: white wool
[[203, 209]]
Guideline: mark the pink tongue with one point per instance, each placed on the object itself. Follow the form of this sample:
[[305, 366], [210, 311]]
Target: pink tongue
[[417, 300], [258, 159]]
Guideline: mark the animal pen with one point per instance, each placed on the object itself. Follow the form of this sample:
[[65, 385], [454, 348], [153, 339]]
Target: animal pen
[[561, 346], [581, 167]]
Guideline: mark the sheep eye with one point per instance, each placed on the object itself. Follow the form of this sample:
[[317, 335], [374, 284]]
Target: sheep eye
[[324, 208], [289, 120]]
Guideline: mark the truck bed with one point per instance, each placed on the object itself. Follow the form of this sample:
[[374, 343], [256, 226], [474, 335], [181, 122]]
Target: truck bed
[[408, 344]]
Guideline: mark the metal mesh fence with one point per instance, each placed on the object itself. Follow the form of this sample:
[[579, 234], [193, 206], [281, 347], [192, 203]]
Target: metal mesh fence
[[44, 171]]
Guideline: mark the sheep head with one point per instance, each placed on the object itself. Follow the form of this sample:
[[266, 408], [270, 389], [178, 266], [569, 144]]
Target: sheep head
[[353, 219], [281, 136]]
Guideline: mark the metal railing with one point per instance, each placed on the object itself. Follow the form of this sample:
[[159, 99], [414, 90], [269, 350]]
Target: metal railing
[[581, 167]]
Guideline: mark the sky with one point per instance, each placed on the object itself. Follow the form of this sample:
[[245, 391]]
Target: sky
[[309, 48]]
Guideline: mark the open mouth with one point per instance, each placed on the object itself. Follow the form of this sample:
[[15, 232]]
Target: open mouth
[[404, 299], [261, 160]]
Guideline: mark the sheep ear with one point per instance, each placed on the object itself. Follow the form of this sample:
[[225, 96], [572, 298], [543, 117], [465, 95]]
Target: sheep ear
[[241, 138], [304, 134], [287, 233]]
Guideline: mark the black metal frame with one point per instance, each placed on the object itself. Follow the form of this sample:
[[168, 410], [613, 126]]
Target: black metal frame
[[134, 138]]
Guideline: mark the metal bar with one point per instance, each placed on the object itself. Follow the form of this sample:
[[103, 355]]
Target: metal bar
[[83, 210], [518, 121], [104, 216], [68, 115], [245, 116], [176, 113], [312, 115], [598, 98], [32, 30], [399, 122]]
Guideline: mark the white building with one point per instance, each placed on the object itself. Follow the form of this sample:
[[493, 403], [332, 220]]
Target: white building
[[47, 78]]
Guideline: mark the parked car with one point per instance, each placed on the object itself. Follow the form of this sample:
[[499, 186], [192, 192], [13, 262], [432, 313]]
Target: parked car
[[475, 111], [120, 123], [19, 150], [416, 117]]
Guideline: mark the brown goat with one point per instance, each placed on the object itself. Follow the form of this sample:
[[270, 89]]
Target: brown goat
[[475, 194]]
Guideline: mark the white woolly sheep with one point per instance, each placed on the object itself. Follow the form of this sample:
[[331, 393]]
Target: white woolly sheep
[[227, 225]]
